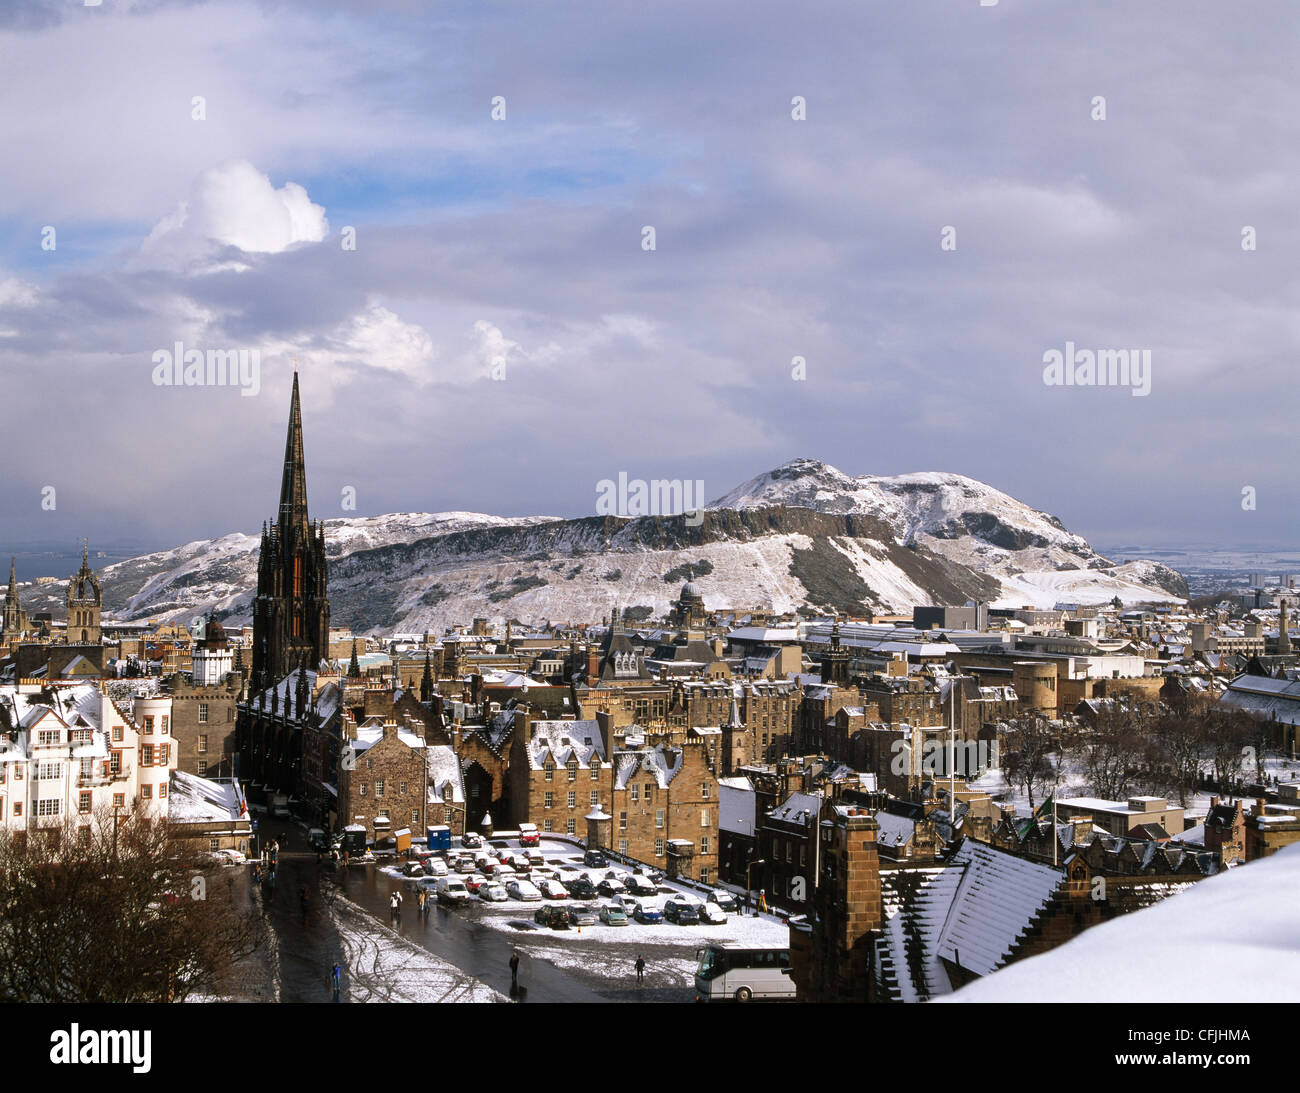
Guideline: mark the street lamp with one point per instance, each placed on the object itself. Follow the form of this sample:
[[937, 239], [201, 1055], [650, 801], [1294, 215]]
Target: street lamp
[[748, 868]]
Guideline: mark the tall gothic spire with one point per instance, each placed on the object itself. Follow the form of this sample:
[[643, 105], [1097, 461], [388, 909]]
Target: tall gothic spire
[[12, 594], [293, 487]]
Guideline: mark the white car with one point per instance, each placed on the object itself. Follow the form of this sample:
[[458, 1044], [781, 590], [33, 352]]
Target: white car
[[228, 857], [493, 893], [523, 890], [712, 914], [435, 867]]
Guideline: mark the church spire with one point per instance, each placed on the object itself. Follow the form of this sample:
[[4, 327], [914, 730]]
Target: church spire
[[12, 594], [293, 487]]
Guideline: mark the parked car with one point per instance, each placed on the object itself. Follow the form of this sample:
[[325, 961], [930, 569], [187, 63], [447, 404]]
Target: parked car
[[681, 913], [435, 867], [318, 840], [711, 914], [228, 857], [655, 876], [465, 865], [529, 835], [647, 913], [523, 890], [582, 888], [486, 863], [639, 885], [535, 856], [613, 915], [554, 917], [505, 872], [471, 841], [553, 889], [492, 892], [543, 872], [594, 859], [610, 887], [726, 900], [452, 890], [474, 882], [413, 869], [582, 914]]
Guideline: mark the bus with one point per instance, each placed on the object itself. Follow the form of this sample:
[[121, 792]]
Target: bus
[[726, 973]]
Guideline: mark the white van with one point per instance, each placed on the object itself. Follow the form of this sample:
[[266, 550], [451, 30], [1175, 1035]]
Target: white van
[[452, 890]]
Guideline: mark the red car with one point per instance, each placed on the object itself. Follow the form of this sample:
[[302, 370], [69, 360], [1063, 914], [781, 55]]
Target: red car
[[529, 835]]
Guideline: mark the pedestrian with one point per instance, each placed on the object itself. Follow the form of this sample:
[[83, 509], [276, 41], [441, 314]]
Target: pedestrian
[[395, 906], [336, 979], [514, 968], [640, 969]]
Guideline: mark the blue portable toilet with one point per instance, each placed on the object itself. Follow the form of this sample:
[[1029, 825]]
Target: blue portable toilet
[[440, 837]]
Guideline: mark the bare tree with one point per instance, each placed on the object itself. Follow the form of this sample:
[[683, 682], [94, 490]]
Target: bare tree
[[1028, 759], [113, 913], [1115, 750]]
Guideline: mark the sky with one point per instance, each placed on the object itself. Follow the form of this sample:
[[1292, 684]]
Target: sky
[[478, 321]]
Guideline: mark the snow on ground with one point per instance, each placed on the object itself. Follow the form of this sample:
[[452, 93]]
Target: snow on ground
[[382, 966], [1230, 938]]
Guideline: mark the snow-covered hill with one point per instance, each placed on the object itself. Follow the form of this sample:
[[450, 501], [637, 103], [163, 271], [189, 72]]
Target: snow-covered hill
[[804, 536], [1229, 938], [1038, 561]]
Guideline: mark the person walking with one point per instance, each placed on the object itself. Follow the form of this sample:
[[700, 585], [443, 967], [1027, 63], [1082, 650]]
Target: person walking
[[395, 906], [640, 969], [514, 968], [336, 980]]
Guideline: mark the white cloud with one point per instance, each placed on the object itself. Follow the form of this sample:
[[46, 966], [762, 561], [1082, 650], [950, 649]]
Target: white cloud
[[235, 204]]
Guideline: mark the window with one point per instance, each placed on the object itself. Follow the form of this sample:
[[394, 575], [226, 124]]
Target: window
[[48, 807], [659, 848], [164, 751], [203, 743], [704, 874], [18, 808], [119, 800], [401, 789], [573, 770], [83, 802], [595, 798], [48, 771], [146, 755], [659, 818], [548, 800], [146, 792], [165, 724], [87, 768], [203, 713], [83, 836], [379, 788], [635, 794], [230, 713], [548, 825], [704, 790], [595, 769], [622, 821], [571, 826], [704, 817], [203, 767], [362, 790], [622, 846], [162, 790], [573, 799], [415, 815], [649, 789], [704, 844], [550, 773], [48, 737], [117, 734], [18, 774], [148, 726], [214, 844], [115, 763]]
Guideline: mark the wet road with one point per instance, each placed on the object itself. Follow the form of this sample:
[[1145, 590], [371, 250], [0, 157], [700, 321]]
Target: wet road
[[294, 964]]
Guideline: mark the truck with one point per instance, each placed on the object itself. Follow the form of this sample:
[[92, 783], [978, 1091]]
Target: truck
[[280, 806], [352, 840]]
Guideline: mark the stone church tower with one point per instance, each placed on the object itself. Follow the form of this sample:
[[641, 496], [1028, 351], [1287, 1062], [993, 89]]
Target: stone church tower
[[15, 621], [85, 601], [291, 614]]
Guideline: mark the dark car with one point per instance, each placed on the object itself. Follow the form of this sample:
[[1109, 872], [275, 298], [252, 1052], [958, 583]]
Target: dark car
[[557, 918], [647, 913], [594, 859], [582, 888], [471, 841], [683, 914], [610, 887]]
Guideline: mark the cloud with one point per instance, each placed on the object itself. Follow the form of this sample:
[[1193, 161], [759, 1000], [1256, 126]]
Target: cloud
[[236, 205]]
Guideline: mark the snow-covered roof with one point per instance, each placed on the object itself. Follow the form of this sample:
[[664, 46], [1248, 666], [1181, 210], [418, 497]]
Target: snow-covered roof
[[198, 800], [560, 741]]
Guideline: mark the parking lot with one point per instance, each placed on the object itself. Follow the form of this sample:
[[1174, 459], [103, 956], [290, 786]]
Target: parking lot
[[598, 953]]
